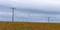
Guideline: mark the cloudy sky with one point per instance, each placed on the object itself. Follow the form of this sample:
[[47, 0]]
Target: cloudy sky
[[30, 10]]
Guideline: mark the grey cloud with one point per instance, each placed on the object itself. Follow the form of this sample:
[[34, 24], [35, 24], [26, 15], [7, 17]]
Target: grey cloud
[[38, 11]]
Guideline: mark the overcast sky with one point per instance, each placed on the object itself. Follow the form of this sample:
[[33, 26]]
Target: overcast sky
[[30, 10]]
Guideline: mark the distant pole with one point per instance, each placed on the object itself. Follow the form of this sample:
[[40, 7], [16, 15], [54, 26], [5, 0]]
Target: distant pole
[[48, 19], [13, 14]]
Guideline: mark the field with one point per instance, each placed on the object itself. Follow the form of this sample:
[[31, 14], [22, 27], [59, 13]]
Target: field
[[28, 26]]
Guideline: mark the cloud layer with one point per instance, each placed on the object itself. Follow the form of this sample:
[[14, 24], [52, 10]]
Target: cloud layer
[[30, 10]]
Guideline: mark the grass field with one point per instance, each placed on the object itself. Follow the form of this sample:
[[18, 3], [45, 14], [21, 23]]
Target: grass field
[[28, 26]]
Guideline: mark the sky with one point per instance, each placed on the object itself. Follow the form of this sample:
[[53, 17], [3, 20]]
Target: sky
[[30, 10]]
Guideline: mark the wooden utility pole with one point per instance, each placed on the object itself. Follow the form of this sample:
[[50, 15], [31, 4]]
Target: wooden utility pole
[[13, 14], [48, 19]]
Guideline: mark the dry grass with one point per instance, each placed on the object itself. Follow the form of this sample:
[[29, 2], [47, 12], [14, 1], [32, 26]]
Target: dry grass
[[29, 26]]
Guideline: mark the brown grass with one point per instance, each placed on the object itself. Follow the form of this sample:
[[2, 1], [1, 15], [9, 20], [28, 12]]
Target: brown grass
[[29, 26]]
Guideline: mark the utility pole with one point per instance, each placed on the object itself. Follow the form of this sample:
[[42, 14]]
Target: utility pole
[[48, 19], [13, 14]]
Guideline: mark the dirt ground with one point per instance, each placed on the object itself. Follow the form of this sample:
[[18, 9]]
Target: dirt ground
[[29, 26]]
